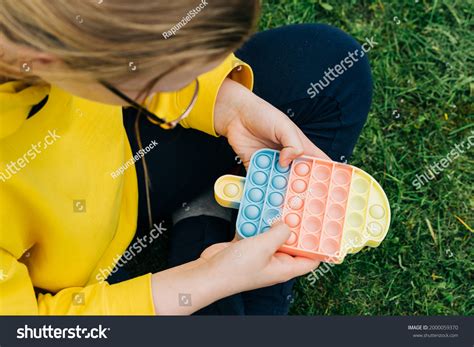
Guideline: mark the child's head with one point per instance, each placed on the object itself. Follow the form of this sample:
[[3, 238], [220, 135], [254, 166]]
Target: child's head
[[128, 43]]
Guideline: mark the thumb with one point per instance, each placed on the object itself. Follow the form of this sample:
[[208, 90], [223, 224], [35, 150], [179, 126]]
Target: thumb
[[274, 238], [290, 140], [311, 149], [288, 154]]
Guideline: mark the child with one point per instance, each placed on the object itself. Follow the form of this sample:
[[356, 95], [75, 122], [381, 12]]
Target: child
[[72, 203]]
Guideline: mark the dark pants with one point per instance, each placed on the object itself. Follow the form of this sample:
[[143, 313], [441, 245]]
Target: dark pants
[[187, 162]]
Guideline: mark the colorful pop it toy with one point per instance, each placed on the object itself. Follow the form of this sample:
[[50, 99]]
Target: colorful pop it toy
[[331, 208]]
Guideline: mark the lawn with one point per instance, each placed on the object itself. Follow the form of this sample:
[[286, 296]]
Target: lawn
[[422, 108]]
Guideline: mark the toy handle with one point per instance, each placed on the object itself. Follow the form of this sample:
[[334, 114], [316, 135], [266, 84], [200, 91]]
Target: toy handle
[[228, 190]]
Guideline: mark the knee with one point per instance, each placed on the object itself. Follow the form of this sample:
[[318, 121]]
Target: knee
[[345, 69], [347, 56]]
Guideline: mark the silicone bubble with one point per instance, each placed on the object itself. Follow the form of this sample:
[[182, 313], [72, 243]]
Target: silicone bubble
[[374, 229], [295, 203], [298, 186], [329, 246], [259, 178], [355, 220], [302, 169], [315, 206], [335, 211], [281, 169], [275, 199], [248, 229], [292, 220], [353, 238], [357, 203], [255, 195], [271, 216], [341, 177], [263, 161], [321, 173], [279, 182], [339, 194], [265, 229], [252, 212], [231, 190], [333, 229], [319, 190], [377, 211], [312, 224], [360, 186], [310, 242]]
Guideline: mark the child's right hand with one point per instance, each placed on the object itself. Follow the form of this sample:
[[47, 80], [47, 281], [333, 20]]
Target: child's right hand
[[225, 269], [255, 262]]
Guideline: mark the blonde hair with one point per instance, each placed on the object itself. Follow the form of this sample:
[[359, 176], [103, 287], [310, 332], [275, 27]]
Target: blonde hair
[[100, 39]]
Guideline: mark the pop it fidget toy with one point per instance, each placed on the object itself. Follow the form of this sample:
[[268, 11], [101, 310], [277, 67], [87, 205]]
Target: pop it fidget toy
[[331, 208]]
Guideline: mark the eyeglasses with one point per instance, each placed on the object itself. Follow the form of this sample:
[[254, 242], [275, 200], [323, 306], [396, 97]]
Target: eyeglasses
[[150, 115]]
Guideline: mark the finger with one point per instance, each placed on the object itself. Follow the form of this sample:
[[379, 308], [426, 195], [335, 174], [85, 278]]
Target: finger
[[288, 136], [274, 238], [304, 265], [311, 149], [297, 266]]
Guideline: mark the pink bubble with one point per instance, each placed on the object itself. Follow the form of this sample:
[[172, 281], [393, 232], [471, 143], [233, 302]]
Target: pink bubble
[[292, 220], [295, 203], [299, 186], [302, 169]]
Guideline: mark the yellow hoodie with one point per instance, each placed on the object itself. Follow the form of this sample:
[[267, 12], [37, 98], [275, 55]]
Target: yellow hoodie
[[63, 217]]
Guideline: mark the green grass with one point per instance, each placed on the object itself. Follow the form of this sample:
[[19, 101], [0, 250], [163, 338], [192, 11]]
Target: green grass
[[422, 67]]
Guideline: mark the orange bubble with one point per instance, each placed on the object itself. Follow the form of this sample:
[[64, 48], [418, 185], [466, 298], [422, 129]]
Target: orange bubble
[[298, 186], [292, 220], [295, 203], [302, 169]]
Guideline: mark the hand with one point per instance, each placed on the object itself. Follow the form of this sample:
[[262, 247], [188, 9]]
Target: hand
[[250, 123], [255, 262], [225, 269]]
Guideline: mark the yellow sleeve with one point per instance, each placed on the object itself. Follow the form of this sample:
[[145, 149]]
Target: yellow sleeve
[[171, 105], [17, 296]]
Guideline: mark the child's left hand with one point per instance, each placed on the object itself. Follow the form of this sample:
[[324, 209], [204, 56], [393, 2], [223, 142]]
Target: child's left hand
[[250, 123]]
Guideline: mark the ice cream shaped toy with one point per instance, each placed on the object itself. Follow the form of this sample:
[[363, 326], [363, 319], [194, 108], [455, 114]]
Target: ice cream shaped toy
[[332, 209]]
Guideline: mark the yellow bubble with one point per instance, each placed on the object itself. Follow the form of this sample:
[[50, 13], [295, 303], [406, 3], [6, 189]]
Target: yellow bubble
[[231, 190]]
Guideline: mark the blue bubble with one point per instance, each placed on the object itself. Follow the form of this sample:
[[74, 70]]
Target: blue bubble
[[271, 216], [248, 229], [275, 199], [280, 168], [263, 161], [259, 178], [255, 195], [279, 182], [252, 212]]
